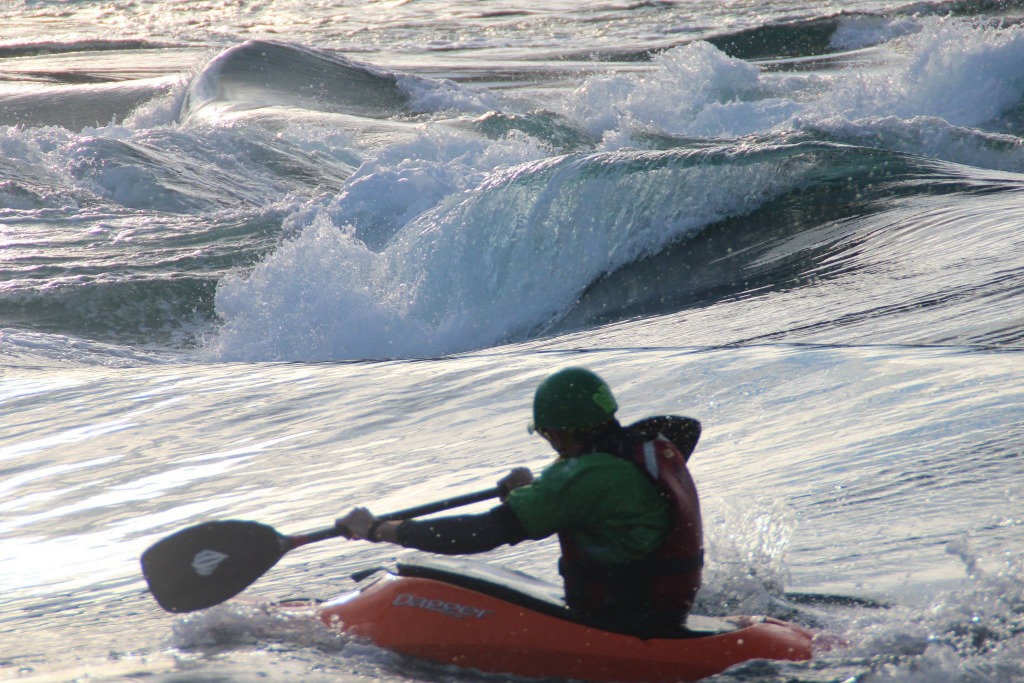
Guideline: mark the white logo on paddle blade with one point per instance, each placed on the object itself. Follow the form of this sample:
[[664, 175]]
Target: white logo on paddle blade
[[206, 562]]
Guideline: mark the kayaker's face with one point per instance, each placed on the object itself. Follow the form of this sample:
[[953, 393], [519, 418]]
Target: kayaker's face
[[562, 442]]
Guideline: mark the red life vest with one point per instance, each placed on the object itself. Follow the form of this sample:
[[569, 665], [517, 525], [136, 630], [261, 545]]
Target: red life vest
[[665, 583], [680, 557]]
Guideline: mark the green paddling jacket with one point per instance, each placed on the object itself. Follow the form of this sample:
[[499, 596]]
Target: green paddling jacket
[[606, 504]]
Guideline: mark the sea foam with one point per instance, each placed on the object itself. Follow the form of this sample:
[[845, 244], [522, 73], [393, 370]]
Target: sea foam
[[488, 264], [945, 88], [447, 241]]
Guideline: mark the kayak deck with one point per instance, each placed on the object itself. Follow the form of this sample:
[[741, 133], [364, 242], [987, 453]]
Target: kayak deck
[[533, 593], [466, 613]]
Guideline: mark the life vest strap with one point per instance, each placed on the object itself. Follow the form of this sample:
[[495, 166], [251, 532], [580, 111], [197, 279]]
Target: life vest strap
[[649, 568], [679, 565]]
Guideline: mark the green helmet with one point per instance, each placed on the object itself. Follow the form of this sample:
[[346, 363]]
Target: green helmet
[[573, 398]]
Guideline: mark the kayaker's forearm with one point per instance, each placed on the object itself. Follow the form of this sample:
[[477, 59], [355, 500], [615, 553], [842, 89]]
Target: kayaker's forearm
[[461, 534], [386, 531]]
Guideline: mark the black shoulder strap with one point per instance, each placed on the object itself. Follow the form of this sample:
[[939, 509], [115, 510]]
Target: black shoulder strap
[[683, 432]]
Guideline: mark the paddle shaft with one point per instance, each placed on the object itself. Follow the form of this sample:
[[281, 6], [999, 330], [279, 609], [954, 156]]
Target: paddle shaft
[[297, 540]]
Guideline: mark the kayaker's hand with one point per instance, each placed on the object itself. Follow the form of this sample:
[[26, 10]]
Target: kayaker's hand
[[519, 476], [357, 524]]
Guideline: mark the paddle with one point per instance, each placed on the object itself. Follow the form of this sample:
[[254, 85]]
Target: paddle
[[833, 600], [208, 563]]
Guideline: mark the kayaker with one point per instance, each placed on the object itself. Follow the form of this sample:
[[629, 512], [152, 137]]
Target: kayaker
[[620, 499]]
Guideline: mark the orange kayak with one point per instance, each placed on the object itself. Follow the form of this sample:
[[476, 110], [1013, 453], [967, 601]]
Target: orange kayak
[[469, 614]]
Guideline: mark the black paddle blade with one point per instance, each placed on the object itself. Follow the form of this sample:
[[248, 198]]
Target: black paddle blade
[[206, 564]]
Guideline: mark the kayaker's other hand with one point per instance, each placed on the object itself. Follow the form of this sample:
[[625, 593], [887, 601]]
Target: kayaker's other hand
[[519, 476], [356, 524]]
